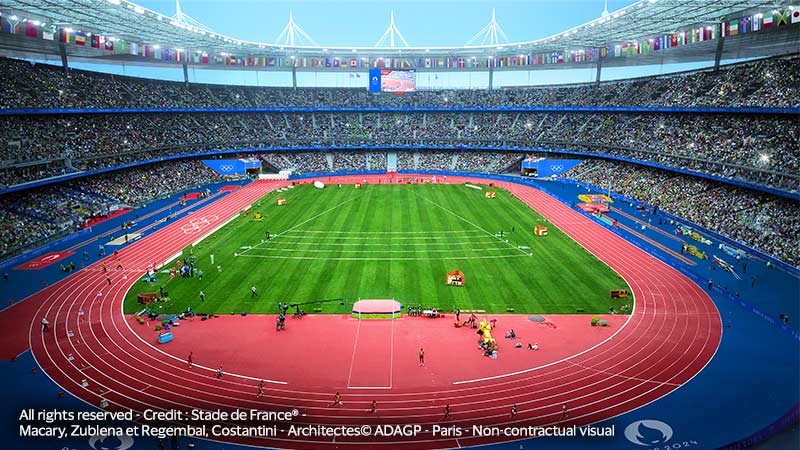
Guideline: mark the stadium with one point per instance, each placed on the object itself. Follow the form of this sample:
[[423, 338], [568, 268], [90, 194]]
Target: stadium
[[582, 237]]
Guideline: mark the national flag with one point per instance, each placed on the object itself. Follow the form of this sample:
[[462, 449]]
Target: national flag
[[146, 51], [180, 56], [673, 40], [80, 38], [733, 27], [134, 49], [66, 36], [204, 58], [782, 18], [196, 58], [766, 22], [31, 30], [353, 63], [49, 32], [95, 41], [272, 62], [647, 46], [10, 26], [109, 45], [796, 16], [167, 54], [745, 25], [122, 47]]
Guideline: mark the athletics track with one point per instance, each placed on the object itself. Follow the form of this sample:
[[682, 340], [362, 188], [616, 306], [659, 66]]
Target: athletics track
[[672, 334]]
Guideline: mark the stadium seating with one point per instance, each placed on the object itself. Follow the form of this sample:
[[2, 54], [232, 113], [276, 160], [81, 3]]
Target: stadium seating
[[35, 216], [741, 147], [772, 82], [767, 223]]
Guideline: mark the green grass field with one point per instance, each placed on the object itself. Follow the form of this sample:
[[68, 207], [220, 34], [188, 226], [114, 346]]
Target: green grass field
[[391, 241]]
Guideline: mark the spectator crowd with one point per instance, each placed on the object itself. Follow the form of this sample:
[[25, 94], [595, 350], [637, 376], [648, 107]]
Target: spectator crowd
[[771, 82], [765, 222], [761, 149], [34, 216]]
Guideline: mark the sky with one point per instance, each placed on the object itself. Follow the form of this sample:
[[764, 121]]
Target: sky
[[360, 23]]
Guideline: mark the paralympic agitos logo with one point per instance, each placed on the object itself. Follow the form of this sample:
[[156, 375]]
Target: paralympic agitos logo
[[648, 432], [656, 435]]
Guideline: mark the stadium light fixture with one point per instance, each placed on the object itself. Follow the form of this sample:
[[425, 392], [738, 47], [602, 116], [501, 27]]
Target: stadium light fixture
[[156, 47], [37, 23], [763, 158], [13, 17], [115, 2], [138, 10]]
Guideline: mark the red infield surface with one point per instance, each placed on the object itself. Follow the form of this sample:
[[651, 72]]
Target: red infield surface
[[672, 334], [44, 261]]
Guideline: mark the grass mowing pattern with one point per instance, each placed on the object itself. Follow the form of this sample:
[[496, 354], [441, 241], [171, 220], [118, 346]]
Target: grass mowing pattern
[[391, 241]]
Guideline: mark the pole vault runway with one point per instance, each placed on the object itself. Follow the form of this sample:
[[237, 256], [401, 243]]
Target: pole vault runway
[[92, 352]]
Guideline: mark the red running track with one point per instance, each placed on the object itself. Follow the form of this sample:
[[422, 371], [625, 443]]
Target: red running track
[[671, 335]]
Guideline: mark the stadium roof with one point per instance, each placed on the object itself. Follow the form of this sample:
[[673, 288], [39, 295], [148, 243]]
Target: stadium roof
[[647, 18]]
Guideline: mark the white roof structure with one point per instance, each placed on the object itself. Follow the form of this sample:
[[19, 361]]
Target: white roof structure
[[122, 19]]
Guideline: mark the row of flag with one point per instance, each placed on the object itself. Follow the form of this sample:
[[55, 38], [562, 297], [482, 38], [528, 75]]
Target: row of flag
[[734, 27]]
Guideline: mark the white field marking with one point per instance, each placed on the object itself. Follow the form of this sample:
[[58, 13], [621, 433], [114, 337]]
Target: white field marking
[[448, 232], [344, 250], [322, 213], [361, 238], [317, 258], [471, 223], [310, 219], [622, 376], [353, 357], [391, 360], [382, 244]]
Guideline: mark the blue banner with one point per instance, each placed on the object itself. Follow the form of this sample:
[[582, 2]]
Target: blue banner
[[231, 166], [551, 167], [374, 80]]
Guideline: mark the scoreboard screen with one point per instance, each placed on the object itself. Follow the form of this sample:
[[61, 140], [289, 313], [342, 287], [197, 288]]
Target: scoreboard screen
[[389, 80]]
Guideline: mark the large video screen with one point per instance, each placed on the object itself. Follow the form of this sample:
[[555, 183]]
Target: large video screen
[[397, 81]]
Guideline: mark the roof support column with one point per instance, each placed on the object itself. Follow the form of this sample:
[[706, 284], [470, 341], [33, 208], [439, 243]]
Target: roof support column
[[62, 50], [491, 75], [294, 77], [718, 55], [185, 72], [599, 69]]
